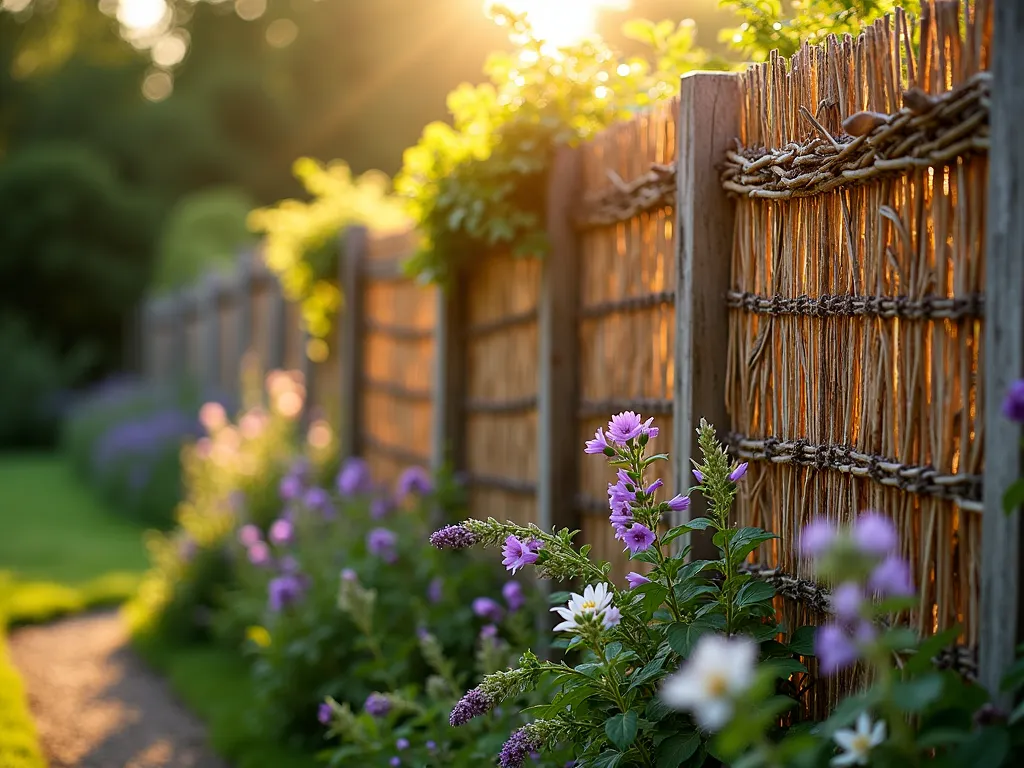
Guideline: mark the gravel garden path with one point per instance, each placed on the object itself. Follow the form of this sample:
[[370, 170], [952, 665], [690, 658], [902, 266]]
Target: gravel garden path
[[97, 705]]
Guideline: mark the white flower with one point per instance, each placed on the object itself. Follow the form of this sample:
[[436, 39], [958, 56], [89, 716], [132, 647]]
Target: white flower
[[595, 600], [857, 744], [719, 670]]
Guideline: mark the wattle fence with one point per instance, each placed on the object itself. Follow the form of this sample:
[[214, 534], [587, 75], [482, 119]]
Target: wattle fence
[[798, 253]]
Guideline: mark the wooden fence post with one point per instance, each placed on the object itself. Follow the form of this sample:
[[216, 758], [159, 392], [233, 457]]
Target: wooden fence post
[[244, 309], [350, 335], [209, 336], [1001, 593], [709, 114], [276, 328], [558, 447], [147, 318], [447, 443]]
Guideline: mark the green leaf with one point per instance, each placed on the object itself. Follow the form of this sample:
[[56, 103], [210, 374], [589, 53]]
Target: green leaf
[[754, 592], [784, 668], [690, 570], [647, 556], [677, 749], [989, 746], [682, 637], [929, 648], [688, 591], [746, 541], [674, 533], [621, 729], [648, 673], [613, 650], [656, 709], [607, 759], [559, 598], [656, 457], [1014, 497], [941, 737], [916, 695], [699, 523]]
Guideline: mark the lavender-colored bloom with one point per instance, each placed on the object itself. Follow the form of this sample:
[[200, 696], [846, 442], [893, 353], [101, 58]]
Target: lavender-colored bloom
[[259, 553], [817, 538], [654, 486], [395, 761], [597, 445], [415, 481], [570, 764], [453, 537], [1013, 404], [284, 591], [874, 534], [488, 632], [381, 543], [288, 564], [473, 704], [513, 594], [422, 633], [891, 578], [431, 745], [638, 538], [290, 487], [249, 535], [847, 599], [319, 500], [679, 503], [486, 608], [349, 575], [324, 713], [834, 648], [635, 579], [377, 705], [381, 507], [402, 744], [435, 590], [624, 427], [282, 532], [518, 747], [518, 553], [739, 472], [698, 475], [354, 477], [611, 617]]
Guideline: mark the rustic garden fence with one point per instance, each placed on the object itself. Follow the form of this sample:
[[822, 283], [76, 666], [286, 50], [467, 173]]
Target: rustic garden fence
[[797, 253]]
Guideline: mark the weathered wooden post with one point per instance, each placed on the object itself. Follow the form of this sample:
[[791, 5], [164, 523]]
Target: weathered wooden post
[[350, 336]]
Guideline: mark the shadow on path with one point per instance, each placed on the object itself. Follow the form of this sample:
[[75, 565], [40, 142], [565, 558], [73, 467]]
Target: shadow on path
[[97, 705]]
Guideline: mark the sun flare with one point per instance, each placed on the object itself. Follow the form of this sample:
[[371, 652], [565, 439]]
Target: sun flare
[[563, 22], [141, 14]]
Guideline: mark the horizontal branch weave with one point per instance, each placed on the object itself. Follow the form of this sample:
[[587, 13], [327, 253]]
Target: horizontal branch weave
[[655, 189], [397, 452], [643, 406], [508, 484], [502, 323], [631, 304], [399, 332], [590, 506], [924, 308], [924, 480], [397, 391], [952, 125], [519, 405]]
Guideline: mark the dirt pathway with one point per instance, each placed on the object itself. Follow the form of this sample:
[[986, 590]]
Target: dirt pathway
[[97, 705]]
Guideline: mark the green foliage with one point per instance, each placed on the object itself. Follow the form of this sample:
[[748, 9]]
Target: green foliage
[[480, 184], [303, 238], [768, 25], [19, 743], [205, 231]]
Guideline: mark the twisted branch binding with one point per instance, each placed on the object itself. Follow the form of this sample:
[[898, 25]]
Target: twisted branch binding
[[655, 189], [935, 132], [924, 308], [963, 489]]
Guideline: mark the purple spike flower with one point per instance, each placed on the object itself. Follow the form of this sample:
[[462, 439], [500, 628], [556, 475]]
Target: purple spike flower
[[377, 705], [354, 477], [249, 535], [1013, 404], [282, 532], [473, 704], [380, 542], [834, 648], [654, 486], [259, 553], [679, 503], [638, 538], [874, 534], [402, 744], [435, 590], [324, 713], [518, 747], [415, 481], [486, 608], [284, 591], [891, 578], [513, 594], [698, 475], [739, 472], [290, 487], [318, 500], [817, 538], [453, 537]]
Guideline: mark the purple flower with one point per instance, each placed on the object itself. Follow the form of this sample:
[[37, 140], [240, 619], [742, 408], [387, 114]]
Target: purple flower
[[318, 500], [513, 594], [874, 534], [473, 704], [259, 553], [611, 617], [1013, 404], [486, 608], [891, 578], [380, 507], [282, 532], [324, 713], [435, 590], [654, 486], [488, 632], [402, 744], [817, 538], [635, 579], [679, 503], [846, 601], [453, 537], [517, 553], [288, 564], [349, 575], [638, 538], [423, 634], [698, 475], [380, 542], [249, 535], [395, 761], [518, 747], [354, 477], [431, 745], [834, 648], [624, 427], [415, 481], [284, 591], [377, 705], [290, 487], [739, 472], [597, 445]]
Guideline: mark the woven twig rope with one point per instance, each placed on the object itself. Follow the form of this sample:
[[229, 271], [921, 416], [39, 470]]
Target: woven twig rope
[[655, 189], [924, 308], [964, 489], [930, 134]]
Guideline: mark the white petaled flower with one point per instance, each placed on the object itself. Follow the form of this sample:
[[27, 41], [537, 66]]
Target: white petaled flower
[[718, 670], [595, 600], [858, 742]]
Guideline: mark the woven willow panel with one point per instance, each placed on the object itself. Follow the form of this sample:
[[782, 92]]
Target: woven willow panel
[[501, 387], [626, 352], [903, 389]]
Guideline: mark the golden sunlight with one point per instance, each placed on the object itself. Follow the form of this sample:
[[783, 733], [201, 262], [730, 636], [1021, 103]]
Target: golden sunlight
[[139, 15], [563, 22]]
